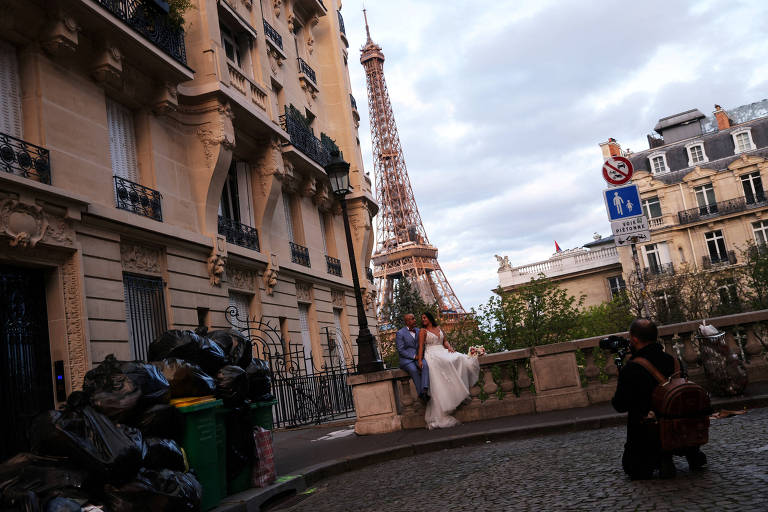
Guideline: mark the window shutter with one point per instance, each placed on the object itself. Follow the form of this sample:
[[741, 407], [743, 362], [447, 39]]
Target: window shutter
[[288, 217], [339, 336], [10, 92], [242, 303], [305, 337], [122, 141]]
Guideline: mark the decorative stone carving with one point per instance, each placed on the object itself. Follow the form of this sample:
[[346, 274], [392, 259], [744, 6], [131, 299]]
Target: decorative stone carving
[[337, 298], [140, 258], [242, 278], [369, 298], [504, 263], [166, 99], [77, 349], [309, 187], [108, 67], [217, 261], [270, 274], [59, 232], [211, 138], [61, 36], [25, 224], [310, 44], [291, 22], [276, 4], [322, 197], [303, 291]]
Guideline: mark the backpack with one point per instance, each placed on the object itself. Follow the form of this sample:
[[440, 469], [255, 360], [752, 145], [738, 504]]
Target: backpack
[[682, 409]]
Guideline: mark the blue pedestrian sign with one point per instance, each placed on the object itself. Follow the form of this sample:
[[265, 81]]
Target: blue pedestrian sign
[[622, 202]]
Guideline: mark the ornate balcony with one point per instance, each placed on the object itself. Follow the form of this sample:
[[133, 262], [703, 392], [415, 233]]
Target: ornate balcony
[[299, 254], [152, 22], [273, 35], [341, 23], [24, 159], [334, 265], [138, 199], [239, 234], [756, 200], [709, 261], [369, 274], [655, 222], [307, 71], [303, 139], [706, 212], [659, 270]]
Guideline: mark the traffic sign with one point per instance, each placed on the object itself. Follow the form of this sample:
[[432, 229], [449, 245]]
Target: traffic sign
[[622, 202], [631, 230], [617, 170]]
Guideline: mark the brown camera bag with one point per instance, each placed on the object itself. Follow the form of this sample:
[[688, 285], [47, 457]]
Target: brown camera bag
[[681, 407]]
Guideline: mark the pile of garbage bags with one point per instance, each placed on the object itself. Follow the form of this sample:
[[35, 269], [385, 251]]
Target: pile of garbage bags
[[114, 446]]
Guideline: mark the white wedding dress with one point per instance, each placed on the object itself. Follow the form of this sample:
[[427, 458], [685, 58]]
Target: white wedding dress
[[451, 374]]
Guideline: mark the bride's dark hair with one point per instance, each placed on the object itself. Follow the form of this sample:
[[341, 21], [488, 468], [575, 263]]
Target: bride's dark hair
[[430, 318]]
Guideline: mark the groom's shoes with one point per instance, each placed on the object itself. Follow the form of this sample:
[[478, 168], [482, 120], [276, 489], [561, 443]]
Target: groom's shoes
[[424, 397]]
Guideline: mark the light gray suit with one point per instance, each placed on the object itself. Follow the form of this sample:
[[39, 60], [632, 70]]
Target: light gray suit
[[407, 348]]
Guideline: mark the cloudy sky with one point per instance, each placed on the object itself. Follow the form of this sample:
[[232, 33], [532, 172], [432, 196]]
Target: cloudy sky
[[501, 106]]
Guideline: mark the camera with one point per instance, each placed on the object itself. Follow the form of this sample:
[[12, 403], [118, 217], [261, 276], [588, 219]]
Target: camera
[[617, 345]]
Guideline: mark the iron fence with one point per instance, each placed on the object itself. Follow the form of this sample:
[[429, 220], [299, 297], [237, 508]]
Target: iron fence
[[304, 140], [273, 35], [138, 199], [334, 265], [704, 212], [299, 254], [238, 233], [307, 70], [24, 159], [308, 390], [153, 23]]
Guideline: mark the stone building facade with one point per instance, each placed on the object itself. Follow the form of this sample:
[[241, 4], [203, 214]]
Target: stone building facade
[[701, 184], [592, 271], [153, 177]]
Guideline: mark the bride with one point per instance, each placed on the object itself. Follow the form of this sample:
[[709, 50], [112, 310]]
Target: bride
[[451, 374]]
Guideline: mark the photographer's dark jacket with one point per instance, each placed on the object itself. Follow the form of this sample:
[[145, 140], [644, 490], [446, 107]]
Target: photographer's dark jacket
[[633, 393]]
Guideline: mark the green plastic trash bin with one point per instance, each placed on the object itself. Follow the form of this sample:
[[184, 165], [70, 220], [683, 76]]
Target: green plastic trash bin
[[201, 443], [260, 415]]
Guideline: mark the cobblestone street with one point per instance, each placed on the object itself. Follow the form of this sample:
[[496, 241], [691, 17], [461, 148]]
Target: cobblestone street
[[576, 471]]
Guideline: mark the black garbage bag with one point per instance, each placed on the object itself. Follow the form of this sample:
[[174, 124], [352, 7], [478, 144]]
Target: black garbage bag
[[186, 379], [90, 440], [156, 491], [190, 347], [161, 420], [163, 454], [232, 386], [241, 447], [236, 346], [33, 483], [116, 388], [259, 381]]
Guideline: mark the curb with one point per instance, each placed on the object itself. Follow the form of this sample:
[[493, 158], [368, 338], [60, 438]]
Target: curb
[[253, 499]]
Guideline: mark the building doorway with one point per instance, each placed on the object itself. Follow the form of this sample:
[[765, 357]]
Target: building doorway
[[25, 355]]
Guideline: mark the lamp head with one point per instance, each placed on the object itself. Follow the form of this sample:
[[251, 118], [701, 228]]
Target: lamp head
[[338, 172]]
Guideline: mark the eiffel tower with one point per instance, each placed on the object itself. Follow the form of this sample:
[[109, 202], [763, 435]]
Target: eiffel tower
[[403, 250]]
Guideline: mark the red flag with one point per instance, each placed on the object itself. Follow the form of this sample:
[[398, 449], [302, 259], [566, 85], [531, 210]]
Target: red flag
[[557, 247]]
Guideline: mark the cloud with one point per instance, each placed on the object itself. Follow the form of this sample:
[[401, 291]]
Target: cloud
[[500, 108]]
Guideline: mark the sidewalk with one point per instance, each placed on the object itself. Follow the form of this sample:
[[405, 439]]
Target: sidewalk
[[306, 455]]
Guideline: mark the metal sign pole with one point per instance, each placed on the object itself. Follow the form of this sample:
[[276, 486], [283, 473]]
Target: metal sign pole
[[640, 281]]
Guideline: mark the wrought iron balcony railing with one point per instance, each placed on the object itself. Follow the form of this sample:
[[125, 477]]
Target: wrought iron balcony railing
[[659, 270], [369, 274], [307, 70], [334, 265], [138, 199], [341, 23], [273, 35], [153, 23], [304, 140], [239, 234], [709, 261], [24, 159], [353, 102], [705, 212], [299, 254], [754, 200]]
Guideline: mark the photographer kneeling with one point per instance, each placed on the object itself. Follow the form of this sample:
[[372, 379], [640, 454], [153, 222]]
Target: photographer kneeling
[[642, 451]]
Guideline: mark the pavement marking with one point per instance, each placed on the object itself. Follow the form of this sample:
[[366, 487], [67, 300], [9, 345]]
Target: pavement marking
[[338, 434]]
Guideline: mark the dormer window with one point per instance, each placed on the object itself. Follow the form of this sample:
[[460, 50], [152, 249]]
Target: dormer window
[[658, 163], [696, 154], [742, 140]]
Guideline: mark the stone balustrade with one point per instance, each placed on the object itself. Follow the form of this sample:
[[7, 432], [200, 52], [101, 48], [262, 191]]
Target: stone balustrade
[[548, 377], [246, 86], [567, 262]]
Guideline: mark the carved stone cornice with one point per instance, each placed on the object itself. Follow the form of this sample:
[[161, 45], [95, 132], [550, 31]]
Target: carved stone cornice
[[337, 298], [141, 259], [108, 65], [270, 274], [25, 224], [242, 278], [303, 291], [61, 36], [59, 232]]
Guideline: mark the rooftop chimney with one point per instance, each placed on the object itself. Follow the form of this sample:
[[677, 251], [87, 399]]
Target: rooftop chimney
[[723, 121], [610, 148]]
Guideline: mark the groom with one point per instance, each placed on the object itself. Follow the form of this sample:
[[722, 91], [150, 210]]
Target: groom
[[407, 341]]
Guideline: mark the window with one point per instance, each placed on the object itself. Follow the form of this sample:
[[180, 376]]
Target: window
[[652, 207], [696, 154], [122, 142], [616, 285], [288, 216], [705, 198], [753, 188], [340, 348], [145, 311], [742, 140], [716, 246], [656, 257], [10, 92], [230, 45], [658, 165], [306, 338], [760, 229], [240, 309], [321, 216], [234, 205]]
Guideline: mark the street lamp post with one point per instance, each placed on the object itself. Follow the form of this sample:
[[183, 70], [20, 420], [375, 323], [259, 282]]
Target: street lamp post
[[367, 355]]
